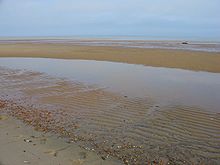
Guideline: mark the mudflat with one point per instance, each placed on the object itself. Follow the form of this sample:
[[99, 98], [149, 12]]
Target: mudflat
[[184, 59]]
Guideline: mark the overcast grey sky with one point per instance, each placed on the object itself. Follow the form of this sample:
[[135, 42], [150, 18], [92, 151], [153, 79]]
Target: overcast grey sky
[[149, 18]]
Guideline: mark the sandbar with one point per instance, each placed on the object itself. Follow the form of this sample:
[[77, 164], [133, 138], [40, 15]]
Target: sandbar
[[183, 59]]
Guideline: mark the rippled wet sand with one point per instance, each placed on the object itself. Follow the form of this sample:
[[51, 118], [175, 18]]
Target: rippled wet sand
[[135, 130]]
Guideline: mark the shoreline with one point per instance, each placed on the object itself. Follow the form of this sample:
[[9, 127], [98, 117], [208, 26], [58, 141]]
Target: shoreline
[[133, 130], [182, 59]]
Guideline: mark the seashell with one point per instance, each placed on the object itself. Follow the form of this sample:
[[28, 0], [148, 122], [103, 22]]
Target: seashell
[[26, 162]]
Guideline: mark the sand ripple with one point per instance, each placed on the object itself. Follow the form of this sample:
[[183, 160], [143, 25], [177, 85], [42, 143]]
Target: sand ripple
[[136, 130]]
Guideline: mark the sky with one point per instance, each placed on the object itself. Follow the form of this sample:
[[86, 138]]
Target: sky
[[199, 19]]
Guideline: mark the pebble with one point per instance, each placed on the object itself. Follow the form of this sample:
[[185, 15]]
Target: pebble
[[28, 140]]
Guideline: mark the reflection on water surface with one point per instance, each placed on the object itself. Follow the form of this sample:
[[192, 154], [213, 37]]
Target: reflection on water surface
[[163, 84]]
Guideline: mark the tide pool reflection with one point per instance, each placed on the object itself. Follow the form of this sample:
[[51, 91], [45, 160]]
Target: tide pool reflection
[[163, 84]]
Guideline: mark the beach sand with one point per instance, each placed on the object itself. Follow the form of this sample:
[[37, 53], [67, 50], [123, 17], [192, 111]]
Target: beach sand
[[20, 144], [98, 126], [133, 130], [191, 60]]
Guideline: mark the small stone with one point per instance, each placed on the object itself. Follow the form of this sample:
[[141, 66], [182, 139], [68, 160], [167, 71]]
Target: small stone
[[28, 140]]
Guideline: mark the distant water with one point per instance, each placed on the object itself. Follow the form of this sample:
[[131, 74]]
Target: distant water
[[207, 46]]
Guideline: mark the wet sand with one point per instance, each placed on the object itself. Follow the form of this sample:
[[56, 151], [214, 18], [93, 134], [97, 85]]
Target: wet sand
[[20, 145], [191, 60], [133, 130], [98, 125]]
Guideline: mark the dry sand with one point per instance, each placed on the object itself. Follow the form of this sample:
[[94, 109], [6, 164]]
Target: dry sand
[[134, 130], [191, 60]]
